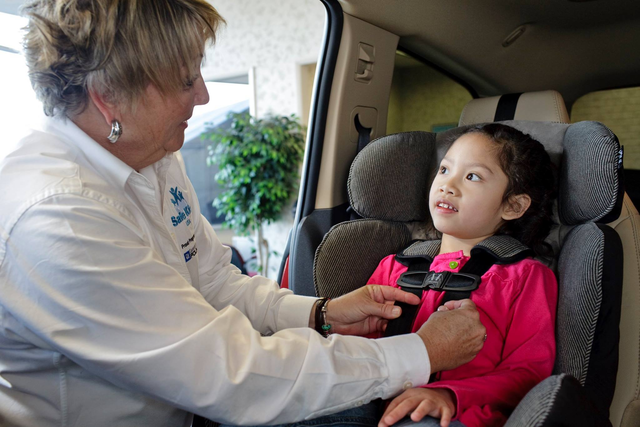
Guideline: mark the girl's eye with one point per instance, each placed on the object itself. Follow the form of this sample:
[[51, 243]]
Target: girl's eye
[[444, 170], [473, 177]]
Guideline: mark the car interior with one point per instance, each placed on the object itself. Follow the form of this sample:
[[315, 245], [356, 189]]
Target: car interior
[[527, 63]]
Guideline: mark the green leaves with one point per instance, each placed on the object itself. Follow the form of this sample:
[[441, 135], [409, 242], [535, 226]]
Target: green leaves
[[259, 162]]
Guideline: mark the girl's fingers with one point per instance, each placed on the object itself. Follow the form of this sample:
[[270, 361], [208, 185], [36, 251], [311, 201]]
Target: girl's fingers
[[445, 418], [395, 414], [384, 421], [423, 409]]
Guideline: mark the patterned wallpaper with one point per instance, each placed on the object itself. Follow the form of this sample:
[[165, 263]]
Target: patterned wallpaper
[[275, 37]]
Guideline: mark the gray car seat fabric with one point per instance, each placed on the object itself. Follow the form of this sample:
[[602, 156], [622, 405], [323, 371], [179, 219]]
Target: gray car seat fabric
[[557, 397], [389, 183]]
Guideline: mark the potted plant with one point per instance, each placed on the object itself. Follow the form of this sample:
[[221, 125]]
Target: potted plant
[[259, 161]]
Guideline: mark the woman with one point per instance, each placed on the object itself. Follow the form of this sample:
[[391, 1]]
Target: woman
[[119, 305]]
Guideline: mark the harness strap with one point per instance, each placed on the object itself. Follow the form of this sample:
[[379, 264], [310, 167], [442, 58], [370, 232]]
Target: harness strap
[[456, 286], [402, 324], [479, 263]]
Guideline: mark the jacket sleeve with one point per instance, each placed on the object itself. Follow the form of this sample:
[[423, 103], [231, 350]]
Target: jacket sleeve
[[268, 307], [80, 276], [528, 353]]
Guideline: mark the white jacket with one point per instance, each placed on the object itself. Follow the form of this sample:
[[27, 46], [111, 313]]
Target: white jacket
[[119, 306]]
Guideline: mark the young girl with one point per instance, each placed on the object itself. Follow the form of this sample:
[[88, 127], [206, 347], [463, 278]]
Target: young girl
[[493, 180]]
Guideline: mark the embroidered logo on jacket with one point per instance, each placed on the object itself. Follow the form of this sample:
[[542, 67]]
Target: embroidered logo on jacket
[[183, 208]]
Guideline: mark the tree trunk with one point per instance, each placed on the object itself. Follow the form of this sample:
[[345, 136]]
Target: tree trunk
[[262, 252]]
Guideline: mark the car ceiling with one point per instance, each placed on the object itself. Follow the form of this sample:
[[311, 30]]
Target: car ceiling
[[574, 47]]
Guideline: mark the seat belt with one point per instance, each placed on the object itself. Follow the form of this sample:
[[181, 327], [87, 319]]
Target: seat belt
[[364, 133], [456, 286]]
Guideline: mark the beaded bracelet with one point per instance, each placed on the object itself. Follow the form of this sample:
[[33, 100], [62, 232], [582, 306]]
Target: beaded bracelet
[[322, 327]]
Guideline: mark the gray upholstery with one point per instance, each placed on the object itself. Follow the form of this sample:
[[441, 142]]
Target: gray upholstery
[[362, 243], [535, 407], [504, 247], [590, 174], [557, 401], [394, 172], [579, 299], [427, 247]]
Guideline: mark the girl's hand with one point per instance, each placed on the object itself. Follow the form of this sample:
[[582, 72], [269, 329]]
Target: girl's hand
[[435, 402]]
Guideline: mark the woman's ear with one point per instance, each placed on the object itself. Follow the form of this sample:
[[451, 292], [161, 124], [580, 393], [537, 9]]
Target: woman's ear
[[516, 206], [107, 109]]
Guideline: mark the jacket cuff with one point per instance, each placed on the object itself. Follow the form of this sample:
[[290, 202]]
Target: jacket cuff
[[294, 311], [408, 362]]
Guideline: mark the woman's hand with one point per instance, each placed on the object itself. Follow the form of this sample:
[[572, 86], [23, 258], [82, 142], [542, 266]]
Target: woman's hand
[[435, 402], [453, 335], [366, 310]]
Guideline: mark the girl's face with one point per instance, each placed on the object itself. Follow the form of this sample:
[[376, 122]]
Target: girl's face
[[465, 200]]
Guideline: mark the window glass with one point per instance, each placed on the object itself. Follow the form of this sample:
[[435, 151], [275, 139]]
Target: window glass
[[225, 98], [265, 55], [19, 107], [423, 98], [619, 110]]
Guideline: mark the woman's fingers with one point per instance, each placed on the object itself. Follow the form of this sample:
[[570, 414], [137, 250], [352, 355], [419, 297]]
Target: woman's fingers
[[389, 293]]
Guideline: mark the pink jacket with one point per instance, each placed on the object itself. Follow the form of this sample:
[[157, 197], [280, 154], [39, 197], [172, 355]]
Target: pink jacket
[[517, 306]]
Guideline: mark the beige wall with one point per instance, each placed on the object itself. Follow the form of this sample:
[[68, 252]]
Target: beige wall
[[618, 109], [422, 97]]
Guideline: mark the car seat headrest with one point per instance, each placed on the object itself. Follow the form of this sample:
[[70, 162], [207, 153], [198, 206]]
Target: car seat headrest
[[543, 106], [390, 179]]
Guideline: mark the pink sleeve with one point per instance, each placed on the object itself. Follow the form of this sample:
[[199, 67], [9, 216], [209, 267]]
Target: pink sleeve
[[528, 352]]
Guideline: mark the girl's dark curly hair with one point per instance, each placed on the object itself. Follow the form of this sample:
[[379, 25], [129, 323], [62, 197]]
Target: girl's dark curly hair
[[530, 171]]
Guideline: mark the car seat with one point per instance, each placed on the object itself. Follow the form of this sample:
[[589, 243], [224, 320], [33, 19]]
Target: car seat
[[549, 106], [388, 186]]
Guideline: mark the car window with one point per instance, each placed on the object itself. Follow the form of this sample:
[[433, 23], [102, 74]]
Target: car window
[[618, 109], [229, 98], [423, 98]]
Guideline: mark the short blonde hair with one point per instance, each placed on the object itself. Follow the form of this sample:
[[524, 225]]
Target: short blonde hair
[[114, 47]]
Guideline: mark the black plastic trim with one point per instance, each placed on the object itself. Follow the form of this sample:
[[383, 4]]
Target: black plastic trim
[[320, 108], [285, 256]]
